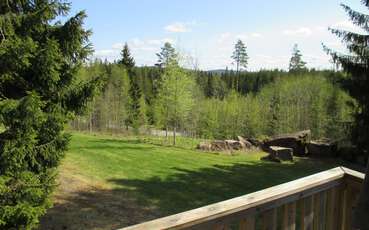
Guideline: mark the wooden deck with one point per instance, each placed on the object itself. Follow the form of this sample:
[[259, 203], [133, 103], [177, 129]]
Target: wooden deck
[[321, 201]]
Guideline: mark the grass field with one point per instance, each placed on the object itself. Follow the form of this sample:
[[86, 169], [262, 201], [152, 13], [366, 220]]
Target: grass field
[[108, 182]]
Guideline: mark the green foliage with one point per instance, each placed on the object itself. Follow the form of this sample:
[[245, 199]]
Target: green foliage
[[175, 98], [296, 62], [135, 110], [239, 55], [268, 103], [356, 64], [127, 60], [167, 55], [287, 105], [39, 93]]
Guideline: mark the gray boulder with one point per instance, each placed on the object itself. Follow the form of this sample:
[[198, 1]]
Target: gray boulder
[[278, 154], [204, 146], [219, 145], [322, 148], [234, 145], [245, 142], [296, 141]]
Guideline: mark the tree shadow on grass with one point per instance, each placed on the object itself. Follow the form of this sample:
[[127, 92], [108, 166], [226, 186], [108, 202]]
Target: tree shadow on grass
[[114, 144], [134, 200]]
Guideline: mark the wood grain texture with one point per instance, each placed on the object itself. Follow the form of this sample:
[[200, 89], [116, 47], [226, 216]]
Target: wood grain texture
[[308, 188]]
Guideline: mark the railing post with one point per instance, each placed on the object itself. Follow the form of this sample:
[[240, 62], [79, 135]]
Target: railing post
[[307, 213], [289, 216], [348, 208], [269, 219], [248, 223], [316, 219], [331, 203]]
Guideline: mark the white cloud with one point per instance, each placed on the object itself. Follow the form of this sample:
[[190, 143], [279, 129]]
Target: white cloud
[[347, 25], [242, 36], [302, 31], [177, 27], [104, 52], [256, 35], [142, 49], [224, 37], [321, 28]]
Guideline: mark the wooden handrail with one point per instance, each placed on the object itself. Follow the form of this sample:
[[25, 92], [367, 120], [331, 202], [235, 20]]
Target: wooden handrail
[[256, 202]]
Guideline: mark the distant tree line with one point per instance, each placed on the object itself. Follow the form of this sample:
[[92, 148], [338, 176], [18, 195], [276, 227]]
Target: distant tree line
[[220, 104]]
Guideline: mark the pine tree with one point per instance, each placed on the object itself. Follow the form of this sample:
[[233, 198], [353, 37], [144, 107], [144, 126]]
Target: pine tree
[[296, 62], [167, 55], [240, 58], [356, 64], [39, 93]]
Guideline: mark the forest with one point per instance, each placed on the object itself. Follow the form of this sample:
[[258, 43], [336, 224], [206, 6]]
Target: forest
[[216, 105], [73, 126]]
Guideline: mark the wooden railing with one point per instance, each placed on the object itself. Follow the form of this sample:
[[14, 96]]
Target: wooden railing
[[321, 201]]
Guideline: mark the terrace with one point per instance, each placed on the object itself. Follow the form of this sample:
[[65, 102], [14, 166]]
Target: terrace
[[325, 200]]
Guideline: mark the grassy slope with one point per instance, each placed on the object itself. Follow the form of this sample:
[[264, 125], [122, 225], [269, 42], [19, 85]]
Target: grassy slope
[[168, 180]]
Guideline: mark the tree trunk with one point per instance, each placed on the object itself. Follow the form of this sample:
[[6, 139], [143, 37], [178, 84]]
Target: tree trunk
[[174, 134], [237, 75], [166, 133], [90, 123], [361, 214]]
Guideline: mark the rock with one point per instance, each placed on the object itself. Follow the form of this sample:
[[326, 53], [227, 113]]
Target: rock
[[281, 153], [204, 146], [278, 154], [322, 148], [255, 142], [235, 145], [245, 142], [219, 145], [296, 141]]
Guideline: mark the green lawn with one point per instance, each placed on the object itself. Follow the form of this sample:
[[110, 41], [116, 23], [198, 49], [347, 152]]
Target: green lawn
[[127, 181]]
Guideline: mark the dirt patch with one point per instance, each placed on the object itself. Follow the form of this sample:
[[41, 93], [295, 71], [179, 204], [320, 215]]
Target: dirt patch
[[83, 204]]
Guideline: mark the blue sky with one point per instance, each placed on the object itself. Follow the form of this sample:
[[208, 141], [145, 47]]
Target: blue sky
[[204, 31]]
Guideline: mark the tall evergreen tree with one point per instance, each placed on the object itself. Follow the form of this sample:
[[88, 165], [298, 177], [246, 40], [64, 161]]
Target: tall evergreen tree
[[240, 58], [39, 93], [356, 64], [167, 55], [296, 62], [135, 115], [134, 104], [127, 60]]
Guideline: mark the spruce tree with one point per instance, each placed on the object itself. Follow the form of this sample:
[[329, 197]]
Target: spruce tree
[[134, 104], [39, 93], [135, 114], [127, 60], [296, 62], [356, 64]]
